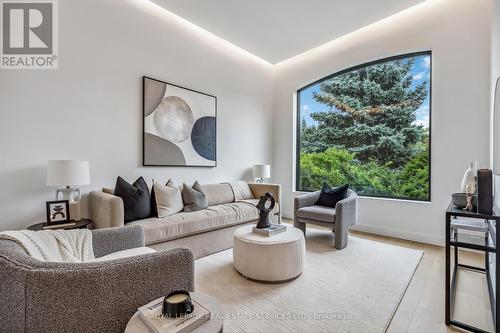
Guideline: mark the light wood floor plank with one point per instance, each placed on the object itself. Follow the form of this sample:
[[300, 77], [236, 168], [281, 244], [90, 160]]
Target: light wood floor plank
[[422, 307]]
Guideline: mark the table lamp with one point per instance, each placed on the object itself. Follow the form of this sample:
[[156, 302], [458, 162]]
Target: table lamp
[[261, 172], [65, 174]]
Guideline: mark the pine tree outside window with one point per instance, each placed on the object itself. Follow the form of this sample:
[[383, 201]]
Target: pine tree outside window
[[368, 126]]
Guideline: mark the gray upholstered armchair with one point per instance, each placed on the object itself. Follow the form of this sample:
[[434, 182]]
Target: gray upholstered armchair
[[340, 218], [87, 297]]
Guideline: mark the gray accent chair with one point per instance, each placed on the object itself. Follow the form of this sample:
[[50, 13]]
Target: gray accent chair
[[87, 297], [340, 218]]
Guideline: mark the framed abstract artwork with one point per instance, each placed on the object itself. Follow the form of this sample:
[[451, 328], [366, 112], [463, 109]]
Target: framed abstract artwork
[[57, 211], [180, 126]]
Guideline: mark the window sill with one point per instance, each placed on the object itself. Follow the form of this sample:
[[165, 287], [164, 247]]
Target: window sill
[[295, 192]]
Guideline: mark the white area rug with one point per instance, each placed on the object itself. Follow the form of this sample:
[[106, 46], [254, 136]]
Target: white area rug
[[357, 289]]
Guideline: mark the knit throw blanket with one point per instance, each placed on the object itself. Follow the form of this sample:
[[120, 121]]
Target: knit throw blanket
[[54, 245]]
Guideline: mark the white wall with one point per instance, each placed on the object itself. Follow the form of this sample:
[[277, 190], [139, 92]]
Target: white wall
[[95, 96], [495, 74], [458, 33], [91, 107]]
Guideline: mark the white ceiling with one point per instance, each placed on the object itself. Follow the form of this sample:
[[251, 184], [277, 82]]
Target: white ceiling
[[276, 30]]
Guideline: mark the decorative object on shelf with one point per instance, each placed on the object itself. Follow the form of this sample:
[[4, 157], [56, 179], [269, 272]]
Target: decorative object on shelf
[[469, 205], [261, 172], [63, 174], [460, 200], [469, 189], [470, 178], [264, 218], [57, 212], [179, 125], [177, 303], [484, 191]]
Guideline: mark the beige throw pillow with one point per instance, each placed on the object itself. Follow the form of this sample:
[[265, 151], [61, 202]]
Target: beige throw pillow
[[194, 198], [168, 199]]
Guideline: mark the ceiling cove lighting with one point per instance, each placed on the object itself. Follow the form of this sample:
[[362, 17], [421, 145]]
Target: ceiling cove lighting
[[155, 9], [415, 11]]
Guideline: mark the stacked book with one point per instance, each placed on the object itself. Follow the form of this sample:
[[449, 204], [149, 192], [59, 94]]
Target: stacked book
[[274, 229], [469, 229], [470, 224], [56, 225], [151, 315]]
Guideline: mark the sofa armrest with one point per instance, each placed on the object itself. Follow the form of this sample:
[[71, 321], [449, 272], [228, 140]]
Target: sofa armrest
[[259, 189], [106, 210], [346, 213], [102, 296], [110, 240]]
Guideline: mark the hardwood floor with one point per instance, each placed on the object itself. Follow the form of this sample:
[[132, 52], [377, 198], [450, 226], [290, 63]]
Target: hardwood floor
[[422, 307]]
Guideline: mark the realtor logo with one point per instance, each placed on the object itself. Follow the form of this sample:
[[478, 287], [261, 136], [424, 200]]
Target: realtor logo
[[29, 34]]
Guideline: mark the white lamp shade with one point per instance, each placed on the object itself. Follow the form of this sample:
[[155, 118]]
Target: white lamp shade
[[68, 173], [262, 171]]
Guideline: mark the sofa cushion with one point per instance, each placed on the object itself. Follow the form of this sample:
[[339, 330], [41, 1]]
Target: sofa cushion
[[218, 194], [136, 199], [193, 197], [318, 213], [184, 224], [167, 199]]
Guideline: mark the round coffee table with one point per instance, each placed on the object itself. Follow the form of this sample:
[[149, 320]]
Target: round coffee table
[[274, 259], [213, 325]]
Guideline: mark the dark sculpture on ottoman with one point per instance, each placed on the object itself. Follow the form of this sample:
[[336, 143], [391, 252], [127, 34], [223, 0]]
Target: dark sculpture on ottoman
[[265, 219]]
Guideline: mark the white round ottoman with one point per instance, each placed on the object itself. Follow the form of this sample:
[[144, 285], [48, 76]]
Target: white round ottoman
[[279, 258]]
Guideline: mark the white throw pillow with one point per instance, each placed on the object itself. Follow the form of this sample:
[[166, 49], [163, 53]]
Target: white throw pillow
[[168, 199]]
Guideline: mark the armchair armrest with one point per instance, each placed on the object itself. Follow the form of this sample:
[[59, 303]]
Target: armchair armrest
[[306, 200], [346, 213], [259, 189], [106, 210], [110, 240], [102, 296]]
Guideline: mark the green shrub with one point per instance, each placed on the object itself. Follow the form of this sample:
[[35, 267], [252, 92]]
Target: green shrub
[[338, 166]]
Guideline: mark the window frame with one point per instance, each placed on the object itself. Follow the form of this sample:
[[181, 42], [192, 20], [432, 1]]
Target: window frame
[[346, 70]]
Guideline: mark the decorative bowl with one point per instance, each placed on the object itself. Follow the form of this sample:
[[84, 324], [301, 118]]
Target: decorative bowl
[[460, 200]]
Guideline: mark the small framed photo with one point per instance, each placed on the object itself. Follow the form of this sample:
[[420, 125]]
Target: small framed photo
[[57, 211]]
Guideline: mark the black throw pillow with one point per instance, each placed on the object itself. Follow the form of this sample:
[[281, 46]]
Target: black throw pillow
[[330, 196], [136, 199]]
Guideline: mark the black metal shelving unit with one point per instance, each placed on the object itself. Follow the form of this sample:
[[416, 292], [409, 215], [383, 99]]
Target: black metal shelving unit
[[487, 244]]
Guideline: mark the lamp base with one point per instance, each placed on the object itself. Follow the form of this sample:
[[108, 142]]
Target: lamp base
[[73, 196]]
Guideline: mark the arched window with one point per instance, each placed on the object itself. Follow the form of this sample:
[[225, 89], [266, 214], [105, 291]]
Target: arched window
[[368, 126]]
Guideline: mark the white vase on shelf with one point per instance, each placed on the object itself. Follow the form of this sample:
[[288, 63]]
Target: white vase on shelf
[[469, 181]]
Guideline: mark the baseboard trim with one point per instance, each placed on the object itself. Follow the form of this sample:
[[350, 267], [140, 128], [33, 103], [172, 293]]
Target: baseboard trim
[[398, 233], [391, 232]]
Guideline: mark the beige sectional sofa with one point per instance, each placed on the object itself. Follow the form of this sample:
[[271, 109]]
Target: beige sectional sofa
[[205, 231]]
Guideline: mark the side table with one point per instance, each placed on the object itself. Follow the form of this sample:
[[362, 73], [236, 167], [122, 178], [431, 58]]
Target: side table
[[82, 224], [213, 325], [486, 244]]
